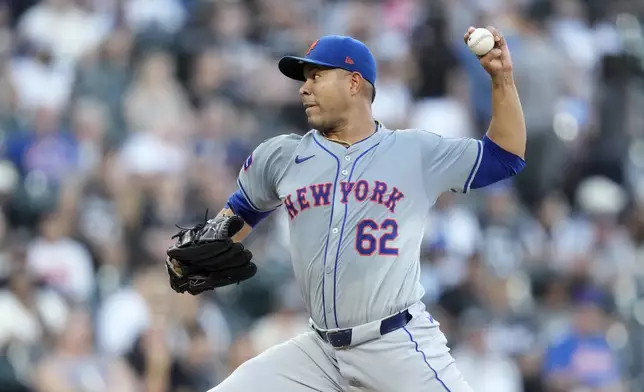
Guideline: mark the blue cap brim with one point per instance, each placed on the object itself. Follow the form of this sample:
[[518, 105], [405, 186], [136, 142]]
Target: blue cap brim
[[293, 67]]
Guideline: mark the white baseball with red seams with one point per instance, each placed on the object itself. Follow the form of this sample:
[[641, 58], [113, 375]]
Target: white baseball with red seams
[[481, 41]]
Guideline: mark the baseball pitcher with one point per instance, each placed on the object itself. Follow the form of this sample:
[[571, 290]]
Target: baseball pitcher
[[356, 195]]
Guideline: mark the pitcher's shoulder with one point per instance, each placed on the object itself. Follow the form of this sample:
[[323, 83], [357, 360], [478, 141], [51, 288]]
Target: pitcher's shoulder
[[286, 139], [415, 136], [281, 144]]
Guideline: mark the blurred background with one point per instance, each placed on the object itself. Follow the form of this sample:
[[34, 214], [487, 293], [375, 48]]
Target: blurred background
[[120, 118]]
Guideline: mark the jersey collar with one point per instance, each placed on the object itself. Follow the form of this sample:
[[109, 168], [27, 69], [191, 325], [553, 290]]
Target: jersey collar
[[365, 143]]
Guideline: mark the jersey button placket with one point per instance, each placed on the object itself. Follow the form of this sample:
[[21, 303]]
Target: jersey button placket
[[345, 171], [334, 241], [335, 231]]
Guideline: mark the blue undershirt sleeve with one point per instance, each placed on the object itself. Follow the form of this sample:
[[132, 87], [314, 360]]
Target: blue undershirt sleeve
[[240, 205], [496, 164]]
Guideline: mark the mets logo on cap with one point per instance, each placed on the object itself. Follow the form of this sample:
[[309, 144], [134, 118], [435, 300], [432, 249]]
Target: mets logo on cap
[[313, 45]]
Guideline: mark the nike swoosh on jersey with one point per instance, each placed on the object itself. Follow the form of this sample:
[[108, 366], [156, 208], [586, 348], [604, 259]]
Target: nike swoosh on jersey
[[300, 160]]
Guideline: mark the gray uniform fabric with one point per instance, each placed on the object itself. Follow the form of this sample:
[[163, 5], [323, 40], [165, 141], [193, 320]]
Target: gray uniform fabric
[[356, 219]]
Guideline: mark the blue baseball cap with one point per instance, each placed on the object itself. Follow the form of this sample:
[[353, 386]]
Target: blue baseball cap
[[333, 51]]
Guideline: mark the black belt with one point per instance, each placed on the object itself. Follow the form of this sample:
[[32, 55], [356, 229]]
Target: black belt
[[342, 338]]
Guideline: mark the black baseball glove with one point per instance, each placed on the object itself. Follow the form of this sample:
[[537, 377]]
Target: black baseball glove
[[205, 256]]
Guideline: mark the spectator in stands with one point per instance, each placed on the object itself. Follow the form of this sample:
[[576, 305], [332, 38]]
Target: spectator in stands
[[583, 358], [33, 315], [62, 262], [75, 366], [483, 367]]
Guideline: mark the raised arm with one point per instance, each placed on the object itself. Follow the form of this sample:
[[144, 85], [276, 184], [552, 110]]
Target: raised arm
[[507, 128], [461, 164]]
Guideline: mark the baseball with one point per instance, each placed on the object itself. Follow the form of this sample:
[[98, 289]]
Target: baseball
[[480, 41]]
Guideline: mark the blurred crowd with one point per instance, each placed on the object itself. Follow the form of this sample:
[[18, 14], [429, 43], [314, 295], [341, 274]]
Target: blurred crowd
[[122, 118]]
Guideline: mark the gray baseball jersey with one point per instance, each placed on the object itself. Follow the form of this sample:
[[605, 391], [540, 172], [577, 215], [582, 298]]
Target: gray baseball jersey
[[357, 214]]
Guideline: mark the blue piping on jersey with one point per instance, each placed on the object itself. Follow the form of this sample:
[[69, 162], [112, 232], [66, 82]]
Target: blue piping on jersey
[[369, 137], [475, 168], [344, 220], [411, 338], [328, 233], [241, 187], [241, 206], [496, 164]]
